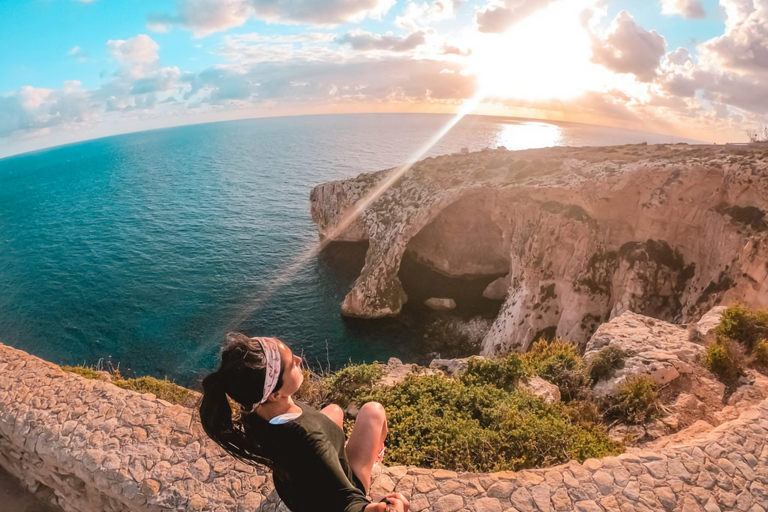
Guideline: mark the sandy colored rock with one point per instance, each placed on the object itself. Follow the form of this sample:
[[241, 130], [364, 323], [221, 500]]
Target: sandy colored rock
[[542, 389], [440, 304], [583, 234]]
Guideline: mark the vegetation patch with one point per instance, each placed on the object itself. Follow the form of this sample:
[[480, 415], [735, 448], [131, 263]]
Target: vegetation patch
[[760, 352], [343, 386], [161, 388], [557, 362], [744, 326], [472, 424], [636, 401], [83, 371], [720, 360], [607, 359]]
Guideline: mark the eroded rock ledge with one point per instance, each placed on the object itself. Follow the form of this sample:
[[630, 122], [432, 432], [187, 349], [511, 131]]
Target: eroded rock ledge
[[583, 234], [100, 448]]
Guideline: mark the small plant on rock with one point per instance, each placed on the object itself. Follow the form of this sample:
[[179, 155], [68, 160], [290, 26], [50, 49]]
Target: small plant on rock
[[760, 352], [742, 325], [719, 359], [609, 358], [557, 362], [83, 371], [636, 401], [161, 388]]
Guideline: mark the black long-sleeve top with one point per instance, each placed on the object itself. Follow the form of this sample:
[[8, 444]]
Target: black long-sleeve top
[[311, 472]]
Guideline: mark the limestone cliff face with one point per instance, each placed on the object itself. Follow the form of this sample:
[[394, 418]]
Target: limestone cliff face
[[583, 234]]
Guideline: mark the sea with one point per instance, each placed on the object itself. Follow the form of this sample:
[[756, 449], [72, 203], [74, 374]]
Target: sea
[[141, 251]]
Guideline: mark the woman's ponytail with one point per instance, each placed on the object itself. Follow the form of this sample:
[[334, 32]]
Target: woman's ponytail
[[216, 418]]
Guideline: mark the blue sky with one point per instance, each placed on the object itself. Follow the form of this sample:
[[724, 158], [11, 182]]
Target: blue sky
[[72, 69]]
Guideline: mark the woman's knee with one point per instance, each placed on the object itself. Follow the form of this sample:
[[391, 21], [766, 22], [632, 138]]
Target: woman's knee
[[335, 413], [374, 411]]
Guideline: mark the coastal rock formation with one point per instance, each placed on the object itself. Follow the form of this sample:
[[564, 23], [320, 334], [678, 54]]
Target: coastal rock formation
[[582, 235], [101, 448], [657, 350]]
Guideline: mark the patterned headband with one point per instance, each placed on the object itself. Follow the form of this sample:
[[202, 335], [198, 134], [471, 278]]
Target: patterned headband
[[272, 355]]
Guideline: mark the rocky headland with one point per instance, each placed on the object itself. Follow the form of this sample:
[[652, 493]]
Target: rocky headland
[[576, 236]]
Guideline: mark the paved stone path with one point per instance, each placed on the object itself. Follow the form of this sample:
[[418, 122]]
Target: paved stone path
[[104, 449]]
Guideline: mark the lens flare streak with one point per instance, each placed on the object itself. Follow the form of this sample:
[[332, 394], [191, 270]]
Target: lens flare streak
[[312, 250]]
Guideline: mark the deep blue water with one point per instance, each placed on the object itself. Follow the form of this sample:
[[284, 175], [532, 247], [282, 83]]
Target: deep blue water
[[148, 247]]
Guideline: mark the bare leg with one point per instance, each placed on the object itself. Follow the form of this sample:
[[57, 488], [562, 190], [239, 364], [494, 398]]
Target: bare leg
[[367, 440], [334, 412]]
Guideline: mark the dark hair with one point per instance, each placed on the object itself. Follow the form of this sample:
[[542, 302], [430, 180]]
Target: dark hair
[[241, 378]]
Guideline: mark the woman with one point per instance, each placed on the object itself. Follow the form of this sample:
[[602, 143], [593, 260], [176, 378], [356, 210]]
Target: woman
[[312, 467]]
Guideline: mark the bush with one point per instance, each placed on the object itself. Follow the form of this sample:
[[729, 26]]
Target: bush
[[343, 386], [742, 325], [504, 373], [313, 390], [719, 359], [760, 352], [473, 424], [83, 371], [161, 388], [635, 402], [601, 365], [557, 362]]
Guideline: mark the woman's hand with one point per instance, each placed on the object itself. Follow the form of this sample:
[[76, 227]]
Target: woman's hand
[[397, 503]]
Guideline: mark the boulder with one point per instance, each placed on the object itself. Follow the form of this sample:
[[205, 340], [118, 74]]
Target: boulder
[[659, 350], [395, 371], [498, 289], [542, 389], [440, 304], [451, 367]]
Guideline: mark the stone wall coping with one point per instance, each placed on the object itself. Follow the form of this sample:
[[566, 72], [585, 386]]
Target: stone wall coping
[[103, 448]]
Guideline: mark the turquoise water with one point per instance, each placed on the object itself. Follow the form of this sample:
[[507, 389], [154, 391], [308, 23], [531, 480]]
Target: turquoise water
[[148, 247]]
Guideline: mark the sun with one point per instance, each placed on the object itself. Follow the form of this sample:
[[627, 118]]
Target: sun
[[545, 56]]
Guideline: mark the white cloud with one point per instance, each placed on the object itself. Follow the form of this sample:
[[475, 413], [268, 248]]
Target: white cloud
[[497, 19], [629, 48], [78, 54], [744, 45], [365, 41], [136, 55], [418, 16], [204, 17], [688, 9]]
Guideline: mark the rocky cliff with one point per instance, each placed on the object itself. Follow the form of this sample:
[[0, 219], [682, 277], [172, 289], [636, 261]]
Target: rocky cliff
[[581, 235]]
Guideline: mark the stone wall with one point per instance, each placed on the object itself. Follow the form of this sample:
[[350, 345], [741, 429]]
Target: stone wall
[[101, 448]]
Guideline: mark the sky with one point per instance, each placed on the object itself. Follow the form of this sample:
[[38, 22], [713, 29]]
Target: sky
[[74, 70]]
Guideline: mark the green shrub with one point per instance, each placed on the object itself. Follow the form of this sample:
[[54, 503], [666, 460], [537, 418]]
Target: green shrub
[[161, 388], [504, 373], [557, 362], [601, 365], [720, 360], [636, 401], [83, 371], [344, 385], [742, 325], [472, 424], [760, 352]]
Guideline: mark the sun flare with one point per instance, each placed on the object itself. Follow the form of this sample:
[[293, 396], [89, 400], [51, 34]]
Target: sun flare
[[545, 56]]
